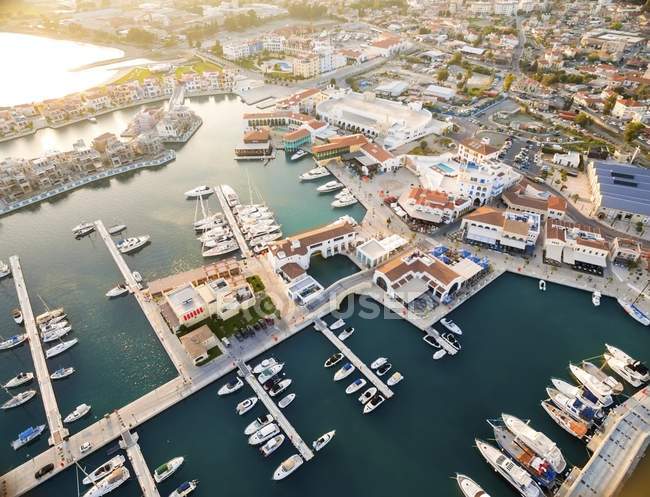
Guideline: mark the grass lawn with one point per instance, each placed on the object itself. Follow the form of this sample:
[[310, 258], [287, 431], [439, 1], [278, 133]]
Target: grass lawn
[[139, 74], [256, 283], [213, 353], [204, 66], [264, 307]]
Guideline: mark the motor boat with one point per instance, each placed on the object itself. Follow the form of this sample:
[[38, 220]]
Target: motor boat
[[439, 354], [394, 379], [61, 373], [230, 387], [104, 470], [218, 233], [635, 312], [137, 276], [18, 399], [333, 359], [221, 249], [367, 394], [287, 467], [451, 340], [231, 196], [51, 316], [536, 441], [110, 483], [258, 424], [613, 383], [185, 488], [27, 436], [573, 407], [542, 285], [18, 380], [323, 440], [83, 229], [330, 186], [357, 384], [346, 370], [280, 387], [373, 403], [265, 364], [595, 298], [636, 369], [117, 291], [624, 370], [164, 471], [79, 412], [53, 326], [344, 201], [246, 209], [286, 400], [315, 173], [13, 341], [17, 316], [264, 240], [469, 487], [5, 270], [263, 434], [507, 468], [55, 334], [343, 193], [383, 369], [116, 229], [337, 324], [246, 405], [60, 348], [271, 445], [584, 395], [199, 192], [567, 423], [269, 373], [131, 244], [300, 153], [346, 333], [85, 447], [380, 361], [451, 326], [600, 390]]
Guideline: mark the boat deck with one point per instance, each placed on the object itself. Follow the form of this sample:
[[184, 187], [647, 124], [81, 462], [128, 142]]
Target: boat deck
[[129, 442], [58, 432], [320, 325], [243, 246]]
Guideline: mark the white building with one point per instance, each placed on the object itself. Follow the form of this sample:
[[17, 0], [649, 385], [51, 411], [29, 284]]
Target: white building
[[570, 159], [484, 181], [433, 206], [582, 247]]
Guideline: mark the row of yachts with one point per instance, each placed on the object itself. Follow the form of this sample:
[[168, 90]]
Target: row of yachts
[[264, 432], [530, 461], [344, 198], [126, 245]]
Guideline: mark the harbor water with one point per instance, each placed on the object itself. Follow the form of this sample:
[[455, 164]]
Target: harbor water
[[515, 338]]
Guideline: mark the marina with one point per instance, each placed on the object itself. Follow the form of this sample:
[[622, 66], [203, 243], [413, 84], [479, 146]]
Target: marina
[[225, 207]]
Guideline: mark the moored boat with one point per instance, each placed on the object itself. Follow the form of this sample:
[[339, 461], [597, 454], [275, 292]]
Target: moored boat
[[79, 412], [13, 341], [344, 201], [383, 369], [18, 380], [5, 270], [258, 424], [221, 248], [185, 488], [246, 405], [315, 173], [231, 196], [51, 316], [346, 333], [344, 371], [117, 291], [570, 425], [337, 324], [199, 191], [286, 400], [55, 334], [265, 364], [451, 326], [271, 445], [230, 387], [595, 298], [507, 468], [116, 229], [110, 483], [287, 467], [17, 316], [573, 406], [19, 399], [635, 312], [131, 244], [592, 369], [600, 390], [280, 387], [380, 361], [624, 370], [27, 436], [105, 469], [330, 186], [164, 471], [578, 392], [367, 394], [469, 487], [394, 379], [323, 440], [61, 373], [270, 372], [83, 229], [373, 403], [263, 434], [60, 348], [357, 384], [333, 360], [300, 153]]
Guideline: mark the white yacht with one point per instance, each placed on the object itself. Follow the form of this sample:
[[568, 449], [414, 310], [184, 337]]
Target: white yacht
[[380, 361], [18, 399], [246, 405], [536, 441], [221, 248], [373, 403], [344, 201], [469, 487], [315, 173], [263, 434], [17, 316], [601, 391], [287, 467], [330, 186], [110, 483], [367, 394], [280, 387], [231, 196], [323, 440], [269, 373], [357, 384], [185, 488], [83, 229], [286, 400], [104, 470], [164, 471], [128, 245], [55, 334], [595, 298], [27, 436], [595, 371], [624, 370], [635, 312], [265, 364], [18, 380], [383, 369], [117, 291], [272, 445], [346, 370], [60, 348], [61, 373], [53, 326], [394, 379], [79, 412], [116, 229], [641, 371], [572, 406], [337, 324], [230, 387], [582, 394], [258, 424], [199, 191], [13, 341], [506, 467], [209, 221], [5, 270], [299, 154], [451, 326], [51, 316], [346, 333]]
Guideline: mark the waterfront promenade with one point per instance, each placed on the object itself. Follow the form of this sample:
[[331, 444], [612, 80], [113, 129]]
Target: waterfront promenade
[[58, 432]]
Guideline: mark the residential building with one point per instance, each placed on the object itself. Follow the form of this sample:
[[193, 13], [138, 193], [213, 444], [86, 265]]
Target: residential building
[[570, 159], [306, 67], [433, 206], [582, 247], [630, 110], [525, 197], [359, 149], [624, 250], [388, 47], [302, 102], [198, 343], [187, 305], [473, 150], [482, 182]]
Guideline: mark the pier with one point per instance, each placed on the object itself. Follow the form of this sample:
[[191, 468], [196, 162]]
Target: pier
[[129, 443], [351, 356], [58, 432], [243, 246]]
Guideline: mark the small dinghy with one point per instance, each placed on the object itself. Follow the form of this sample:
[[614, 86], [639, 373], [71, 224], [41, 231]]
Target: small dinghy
[[439, 354], [246, 405], [337, 324], [286, 400], [384, 368], [357, 384], [346, 333], [333, 360], [395, 378], [116, 229], [346, 370], [17, 316]]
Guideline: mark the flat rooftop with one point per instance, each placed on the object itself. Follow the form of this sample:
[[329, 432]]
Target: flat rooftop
[[623, 187]]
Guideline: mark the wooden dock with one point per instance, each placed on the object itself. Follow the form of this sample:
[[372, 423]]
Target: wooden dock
[[243, 246], [352, 357], [58, 432], [129, 443]]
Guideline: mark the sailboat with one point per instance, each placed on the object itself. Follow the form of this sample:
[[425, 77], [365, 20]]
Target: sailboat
[[60, 348], [633, 310], [18, 399]]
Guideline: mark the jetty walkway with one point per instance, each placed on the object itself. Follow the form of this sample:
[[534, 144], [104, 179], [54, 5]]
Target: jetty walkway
[[58, 432], [354, 359], [243, 246], [129, 443]]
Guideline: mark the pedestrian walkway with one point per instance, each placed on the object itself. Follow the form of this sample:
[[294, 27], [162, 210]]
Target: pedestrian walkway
[[129, 442], [243, 246]]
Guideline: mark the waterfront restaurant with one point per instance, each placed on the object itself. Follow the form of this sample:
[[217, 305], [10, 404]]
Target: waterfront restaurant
[[582, 247], [256, 144], [293, 140]]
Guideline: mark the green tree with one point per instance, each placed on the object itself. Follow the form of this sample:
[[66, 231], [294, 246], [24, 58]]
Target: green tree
[[583, 120], [456, 59], [442, 74], [616, 25], [507, 81], [217, 49], [632, 131]]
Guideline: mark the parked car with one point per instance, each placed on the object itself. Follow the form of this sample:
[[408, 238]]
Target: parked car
[[44, 470]]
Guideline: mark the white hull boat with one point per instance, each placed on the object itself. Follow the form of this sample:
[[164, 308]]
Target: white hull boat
[[506, 467], [333, 360], [199, 191], [286, 400], [280, 387], [469, 487], [19, 399], [439, 354], [231, 196], [542, 285], [5, 270], [265, 364], [53, 326], [79, 412], [60, 348], [383, 369], [367, 394], [346, 333], [128, 245], [164, 471], [263, 434], [299, 154], [230, 387], [639, 370], [56, 334], [17, 316], [357, 384], [623, 370], [337, 324], [18, 380], [344, 201], [287, 467], [269, 373], [185, 488], [595, 298], [584, 395], [116, 229], [50, 316], [83, 229], [117, 291], [27, 436], [346, 370], [313, 174], [330, 186], [61, 373], [451, 326], [104, 470], [272, 445], [395, 378], [377, 363], [373, 403], [110, 483], [596, 372], [221, 249], [258, 424], [601, 391], [572, 406], [246, 405], [323, 440], [635, 312], [13, 341]]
